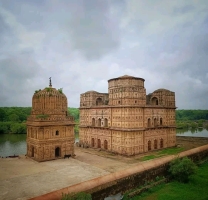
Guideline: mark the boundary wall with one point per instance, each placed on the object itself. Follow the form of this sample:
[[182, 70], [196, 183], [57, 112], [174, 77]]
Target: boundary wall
[[127, 179]]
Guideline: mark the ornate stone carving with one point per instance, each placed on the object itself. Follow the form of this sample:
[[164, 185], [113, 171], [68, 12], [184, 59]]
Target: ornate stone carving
[[50, 127], [137, 122]]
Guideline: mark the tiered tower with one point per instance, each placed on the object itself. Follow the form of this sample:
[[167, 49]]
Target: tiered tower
[[126, 120], [50, 128]]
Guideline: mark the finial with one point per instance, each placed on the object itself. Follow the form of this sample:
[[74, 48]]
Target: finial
[[50, 84]]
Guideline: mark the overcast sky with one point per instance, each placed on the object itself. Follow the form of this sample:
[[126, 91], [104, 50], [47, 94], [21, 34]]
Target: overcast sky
[[83, 43]]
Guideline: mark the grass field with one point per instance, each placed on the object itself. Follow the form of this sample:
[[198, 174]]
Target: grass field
[[168, 151], [196, 189]]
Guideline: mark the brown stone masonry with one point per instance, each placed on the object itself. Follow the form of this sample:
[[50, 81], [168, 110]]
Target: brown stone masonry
[[50, 128], [126, 120]]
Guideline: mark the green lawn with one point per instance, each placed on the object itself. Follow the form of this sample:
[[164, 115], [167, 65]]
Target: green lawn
[[196, 189], [168, 151]]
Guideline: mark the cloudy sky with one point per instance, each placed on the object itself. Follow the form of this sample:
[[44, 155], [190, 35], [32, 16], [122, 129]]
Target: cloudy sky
[[83, 43]]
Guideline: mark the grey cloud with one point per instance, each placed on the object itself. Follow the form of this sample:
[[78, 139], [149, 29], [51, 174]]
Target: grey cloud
[[183, 9], [16, 79], [93, 31], [76, 43]]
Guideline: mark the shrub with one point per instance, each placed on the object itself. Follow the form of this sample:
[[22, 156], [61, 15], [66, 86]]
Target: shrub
[[77, 196], [42, 116], [60, 90], [182, 169]]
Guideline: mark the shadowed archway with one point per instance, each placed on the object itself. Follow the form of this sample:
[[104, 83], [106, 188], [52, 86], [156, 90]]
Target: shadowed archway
[[57, 152], [149, 146], [92, 142], [33, 152], [99, 143], [106, 144]]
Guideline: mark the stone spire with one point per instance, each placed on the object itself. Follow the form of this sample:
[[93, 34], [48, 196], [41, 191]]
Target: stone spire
[[50, 84]]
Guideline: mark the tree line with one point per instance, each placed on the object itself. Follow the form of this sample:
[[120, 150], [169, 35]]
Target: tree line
[[182, 115], [13, 119]]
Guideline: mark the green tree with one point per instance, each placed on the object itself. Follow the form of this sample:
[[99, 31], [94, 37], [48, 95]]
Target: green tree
[[2, 114], [4, 127], [18, 128], [14, 118], [182, 169]]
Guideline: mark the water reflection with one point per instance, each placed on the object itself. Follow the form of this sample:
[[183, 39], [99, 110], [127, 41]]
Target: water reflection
[[11, 144], [199, 132]]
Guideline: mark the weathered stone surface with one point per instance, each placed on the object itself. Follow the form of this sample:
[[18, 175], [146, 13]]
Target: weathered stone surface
[[50, 128], [126, 120]]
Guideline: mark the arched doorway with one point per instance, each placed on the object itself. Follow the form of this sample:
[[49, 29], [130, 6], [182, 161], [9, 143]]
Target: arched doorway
[[106, 122], [155, 144], [92, 142], [161, 143], [154, 101], [33, 152], [99, 122], [99, 143], [106, 144], [161, 122], [149, 145], [155, 122], [57, 152], [149, 123], [93, 121], [99, 101]]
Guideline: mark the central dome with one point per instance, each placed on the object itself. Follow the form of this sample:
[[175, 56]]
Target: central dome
[[126, 77], [49, 101]]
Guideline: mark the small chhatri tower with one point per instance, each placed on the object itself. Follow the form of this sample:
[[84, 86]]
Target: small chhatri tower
[[50, 128]]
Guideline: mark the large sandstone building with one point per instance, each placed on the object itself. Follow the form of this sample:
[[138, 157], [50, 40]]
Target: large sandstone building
[[50, 129], [126, 120]]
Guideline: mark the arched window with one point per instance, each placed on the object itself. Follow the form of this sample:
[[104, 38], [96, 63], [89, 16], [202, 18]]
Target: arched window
[[154, 101], [161, 143], [155, 144], [106, 144], [161, 122], [149, 145], [155, 122], [149, 123], [99, 143], [92, 142], [99, 122], [57, 132], [93, 121], [106, 122], [119, 102], [99, 101]]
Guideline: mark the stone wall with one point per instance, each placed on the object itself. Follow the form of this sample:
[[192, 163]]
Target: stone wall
[[125, 180], [135, 122]]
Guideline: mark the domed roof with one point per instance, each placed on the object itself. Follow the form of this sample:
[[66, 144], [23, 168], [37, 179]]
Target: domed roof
[[162, 90], [49, 101], [49, 91], [126, 77]]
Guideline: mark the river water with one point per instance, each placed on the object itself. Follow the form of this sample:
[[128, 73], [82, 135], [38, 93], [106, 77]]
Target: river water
[[11, 144]]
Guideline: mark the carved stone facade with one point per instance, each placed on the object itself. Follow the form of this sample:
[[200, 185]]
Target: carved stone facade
[[50, 128], [126, 120]]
